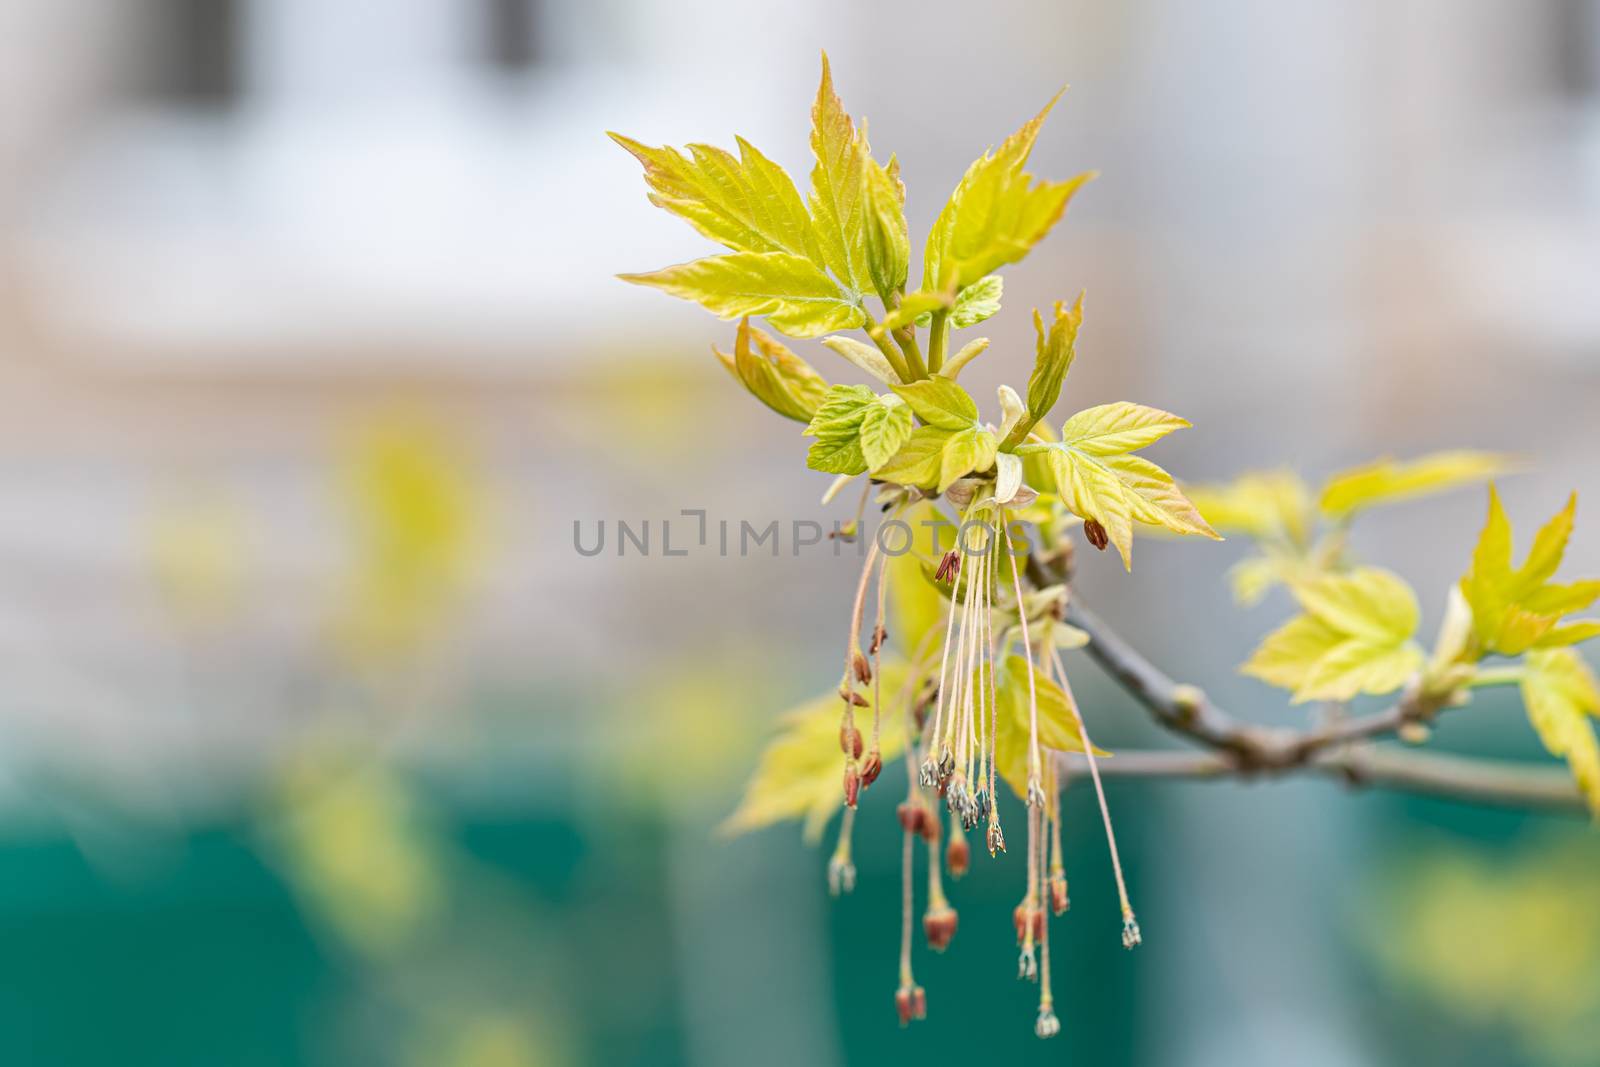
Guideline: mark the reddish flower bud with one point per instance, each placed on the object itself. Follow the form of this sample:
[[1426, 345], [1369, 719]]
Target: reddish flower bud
[[871, 769], [919, 1003], [859, 665], [1024, 916], [1059, 901], [910, 816], [1096, 534], [852, 785], [879, 636], [957, 857], [903, 1005], [949, 567], [850, 696], [939, 924], [850, 741], [931, 828]]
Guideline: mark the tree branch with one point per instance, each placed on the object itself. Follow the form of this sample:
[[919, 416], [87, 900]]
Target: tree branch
[[1237, 749]]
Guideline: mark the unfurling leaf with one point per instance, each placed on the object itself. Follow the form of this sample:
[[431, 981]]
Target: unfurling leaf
[[1053, 354], [863, 355], [793, 293], [888, 238], [1353, 637], [1098, 481], [1515, 610], [1058, 726], [748, 203], [1387, 480], [798, 776], [996, 214], [778, 378], [839, 188], [1560, 694], [976, 302]]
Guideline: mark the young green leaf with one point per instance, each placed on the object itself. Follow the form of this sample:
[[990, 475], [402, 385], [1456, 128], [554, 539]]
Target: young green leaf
[[1096, 478], [1113, 429], [996, 214], [778, 378], [838, 187], [913, 307], [919, 460], [837, 429], [967, 451], [1515, 610], [1354, 636], [1387, 480], [976, 302], [1560, 694], [748, 203], [940, 402], [792, 292], [885, 426]]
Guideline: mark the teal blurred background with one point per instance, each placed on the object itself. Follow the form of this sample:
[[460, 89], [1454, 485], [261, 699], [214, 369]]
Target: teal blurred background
[[321, 744]]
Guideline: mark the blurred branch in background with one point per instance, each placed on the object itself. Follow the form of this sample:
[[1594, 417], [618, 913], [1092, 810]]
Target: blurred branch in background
[[1338, 749]]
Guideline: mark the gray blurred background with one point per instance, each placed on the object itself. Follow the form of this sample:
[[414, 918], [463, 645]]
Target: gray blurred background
[[279, 278]]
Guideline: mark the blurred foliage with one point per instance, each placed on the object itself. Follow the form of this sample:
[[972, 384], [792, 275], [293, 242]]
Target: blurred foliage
[[1499, 941]]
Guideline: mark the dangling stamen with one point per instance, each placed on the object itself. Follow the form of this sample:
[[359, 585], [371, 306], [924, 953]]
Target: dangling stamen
[[939, 921], [1059, 901], [931, 759], [874, 762], [1028, 916], [1035, 790], [842, 872], [909, 1000], [1047, 1025], [994, 835], [1130, 925], [856, 670]]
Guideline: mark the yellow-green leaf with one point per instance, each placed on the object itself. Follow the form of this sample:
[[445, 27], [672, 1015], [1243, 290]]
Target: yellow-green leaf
[[1112, 429], [940, 402], [799, 774], [964, 452], [1155, 499], [1388, 480], [838, 187], [919, 459], [1058, 726], [791, 291], [1560, 694], [996, 214], [885, 426], [748, 203], [1091, 490], [1265, 505], [1354, 636], [1513, 611], [978, 301], [911, 308], [776, 376]]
